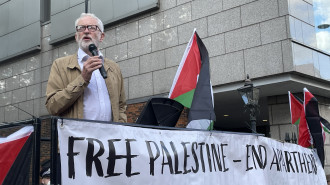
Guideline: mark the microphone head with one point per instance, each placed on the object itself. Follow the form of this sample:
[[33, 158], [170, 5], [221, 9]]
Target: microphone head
[[92, 47]]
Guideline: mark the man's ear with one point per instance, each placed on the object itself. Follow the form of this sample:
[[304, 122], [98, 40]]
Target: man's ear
[[102, 37], [76, 37]]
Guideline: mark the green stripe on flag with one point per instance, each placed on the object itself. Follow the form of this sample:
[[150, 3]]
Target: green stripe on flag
[[186, 98], [326, 129], [211, 126], [297, 122]]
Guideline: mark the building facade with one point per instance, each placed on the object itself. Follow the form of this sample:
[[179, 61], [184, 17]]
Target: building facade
[[272, 41]]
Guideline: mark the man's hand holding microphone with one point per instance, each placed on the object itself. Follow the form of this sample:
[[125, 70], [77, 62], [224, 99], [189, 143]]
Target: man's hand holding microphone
[[93, 63]]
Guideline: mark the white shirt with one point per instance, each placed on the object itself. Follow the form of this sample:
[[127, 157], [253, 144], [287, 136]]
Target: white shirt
[[97, 104]]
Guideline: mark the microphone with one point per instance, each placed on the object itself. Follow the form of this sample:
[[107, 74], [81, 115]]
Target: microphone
[[93, 49]]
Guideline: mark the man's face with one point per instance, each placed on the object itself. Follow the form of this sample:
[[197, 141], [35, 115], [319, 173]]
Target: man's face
[[86, 37]]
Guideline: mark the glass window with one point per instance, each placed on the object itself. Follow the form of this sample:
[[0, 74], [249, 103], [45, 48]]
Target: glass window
[[322, 17], [309, 35], [298, 29], [292, 27], [324, 62], [303, 59], [298, 9], [316, 64]]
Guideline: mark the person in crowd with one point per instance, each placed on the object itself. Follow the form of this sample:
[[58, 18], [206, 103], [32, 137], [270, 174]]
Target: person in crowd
[[45, 173], [76, 88]]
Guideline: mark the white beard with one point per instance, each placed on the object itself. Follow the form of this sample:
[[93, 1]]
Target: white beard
[[85, 44]]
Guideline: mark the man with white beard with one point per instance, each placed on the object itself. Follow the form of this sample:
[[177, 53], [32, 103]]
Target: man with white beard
[[76, 88]]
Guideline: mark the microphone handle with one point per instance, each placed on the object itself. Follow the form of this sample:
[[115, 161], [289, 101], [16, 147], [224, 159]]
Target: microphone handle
[[103, 72]]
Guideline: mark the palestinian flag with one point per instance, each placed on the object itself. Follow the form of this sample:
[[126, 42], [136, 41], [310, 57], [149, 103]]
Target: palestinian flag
[[314, 123], [298, 118], [312, 127], [325, 125], [15, 158], [296, 107], [192, 87]]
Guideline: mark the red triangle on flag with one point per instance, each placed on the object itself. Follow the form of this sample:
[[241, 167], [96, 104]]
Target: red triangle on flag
[[304, 139], [295, 109], [9, 152], [10, 148], [185, 81]]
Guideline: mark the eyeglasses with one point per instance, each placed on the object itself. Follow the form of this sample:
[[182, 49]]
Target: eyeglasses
[[91, 28]]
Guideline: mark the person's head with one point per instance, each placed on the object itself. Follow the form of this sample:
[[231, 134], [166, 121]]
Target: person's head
[[45, 173], [45, 179], [89, 30]]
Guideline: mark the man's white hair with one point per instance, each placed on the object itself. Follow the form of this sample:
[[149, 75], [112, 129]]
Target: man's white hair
[[99, 22]]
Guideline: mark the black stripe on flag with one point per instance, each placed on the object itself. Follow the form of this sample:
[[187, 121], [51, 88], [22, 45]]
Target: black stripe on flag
[[314, 125], [325, 123], [202, 103]]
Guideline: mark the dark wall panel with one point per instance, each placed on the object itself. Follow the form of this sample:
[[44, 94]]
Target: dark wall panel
[[64, 13], [21, 31]]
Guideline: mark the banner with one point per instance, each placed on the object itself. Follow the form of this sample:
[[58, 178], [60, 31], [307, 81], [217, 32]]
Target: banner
[[95, 153]]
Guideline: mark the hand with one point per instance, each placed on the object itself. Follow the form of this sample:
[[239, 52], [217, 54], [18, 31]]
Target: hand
[[90, 65]]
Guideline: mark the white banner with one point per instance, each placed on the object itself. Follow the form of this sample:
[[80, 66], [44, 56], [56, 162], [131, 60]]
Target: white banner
[[95, 153]]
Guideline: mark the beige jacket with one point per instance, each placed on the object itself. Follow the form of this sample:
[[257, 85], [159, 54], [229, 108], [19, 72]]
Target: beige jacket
[[65, 89]]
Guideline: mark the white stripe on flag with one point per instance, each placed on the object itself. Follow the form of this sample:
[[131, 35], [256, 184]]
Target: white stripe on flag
[[182, 63], [23, 132], [202, 124]]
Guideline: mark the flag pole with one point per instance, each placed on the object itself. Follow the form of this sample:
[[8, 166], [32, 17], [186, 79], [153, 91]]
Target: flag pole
[[86, 6], [36, 152], [54, 149]]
